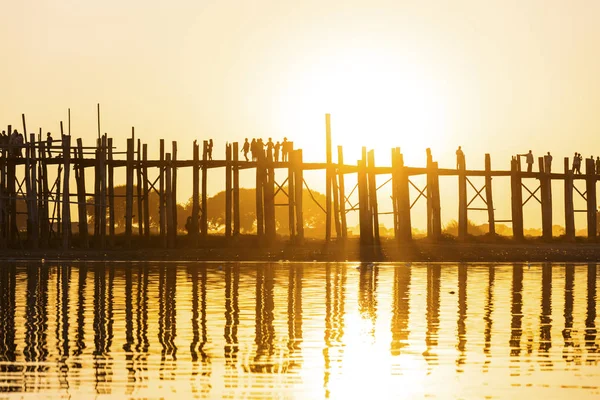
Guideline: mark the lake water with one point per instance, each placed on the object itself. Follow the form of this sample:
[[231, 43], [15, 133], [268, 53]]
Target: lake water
[[299, 330]]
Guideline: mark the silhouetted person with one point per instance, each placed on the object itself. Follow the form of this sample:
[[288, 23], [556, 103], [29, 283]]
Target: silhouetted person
[[246, 148], [576, 164], [270, 146], [548, 162], [285, 149], [529, 161], [253, 150], [460, 158], [19, 143], [260, 149], [49, 144], [209, 149], [277, 147], [12, 141]]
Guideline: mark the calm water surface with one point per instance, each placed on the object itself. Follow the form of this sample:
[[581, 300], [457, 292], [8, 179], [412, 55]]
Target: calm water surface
[[299, 330]]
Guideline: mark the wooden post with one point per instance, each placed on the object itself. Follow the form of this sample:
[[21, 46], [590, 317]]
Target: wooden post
[[174, 191], [3, 202], [97, 209], [342, 194], [372, 182], [394, 159], [404, 222], [35, 228], [169, 203], [328, 177], [28, 199], [489, 199], [228, 191], [236, 190], [195, 194], [44, 204], [433, 201], [146, 192], [204, 214], [569, 208], [66, 210], [81, 201], [129, 193], [12, 195], [269, 199], [463, 219], [516, 200], [546, 197], [590, 186], [291, 197], [111, 194], [364, 209], [140, 208], [299, 185], [260, 171], [161, 196], [103, 143]]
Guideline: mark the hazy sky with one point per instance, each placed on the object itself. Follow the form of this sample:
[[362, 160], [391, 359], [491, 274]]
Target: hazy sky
[[493, 76]]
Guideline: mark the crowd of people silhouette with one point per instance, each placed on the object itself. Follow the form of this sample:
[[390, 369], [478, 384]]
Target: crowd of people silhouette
[[259, 150]]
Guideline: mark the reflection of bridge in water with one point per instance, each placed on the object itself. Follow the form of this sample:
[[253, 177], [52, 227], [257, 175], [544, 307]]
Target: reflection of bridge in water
[[140, 323]]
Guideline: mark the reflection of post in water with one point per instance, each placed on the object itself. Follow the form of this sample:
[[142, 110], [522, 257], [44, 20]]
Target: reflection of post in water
[[265, 331], [200, 335], [102, 328], [129, 331], [487, 318], [295, 275], [434, 274], [546, 314], [81, 286], [7, 317], [367, 301], [63, 282], [590, 320], [335, 298], [400, 309], [166, 320], [232, 312], [141, 315], [569, 284], [36, 324], [516, 311], [462, 316]]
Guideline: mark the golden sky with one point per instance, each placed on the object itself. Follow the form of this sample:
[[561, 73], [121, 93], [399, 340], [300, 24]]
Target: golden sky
[[493, 76]]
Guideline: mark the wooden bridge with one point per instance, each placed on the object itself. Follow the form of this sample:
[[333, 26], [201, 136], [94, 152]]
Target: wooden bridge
[[25, 179]]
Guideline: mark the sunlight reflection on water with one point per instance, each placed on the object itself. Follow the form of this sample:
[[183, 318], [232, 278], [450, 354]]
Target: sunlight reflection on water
[[295, 330]]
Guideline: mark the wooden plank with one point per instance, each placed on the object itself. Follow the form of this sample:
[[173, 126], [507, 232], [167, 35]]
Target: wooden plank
[[28, 199], [140, 208], [146, 193], [228, 191], [372, 182], [129, 193], [194, 226], [342, 194], [260, 218], [169, 203], [236, 190], [299, 186], [204, 214], [291, 198], [269, 199], [328, 177], [590, 186], [516, 200], [404, 220], [489, 199], [66, 209], [161, 196], [546, 198], [569, 207], [102, 188], [35, 229], [434, 226], [174, 191], [364, 209], [394, 196], [462, 202], [81, 206], [44, 204], [111, 194]]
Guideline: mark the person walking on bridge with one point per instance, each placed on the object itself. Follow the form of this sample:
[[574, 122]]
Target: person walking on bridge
[[529, 161], [246, 149], [460, 158]]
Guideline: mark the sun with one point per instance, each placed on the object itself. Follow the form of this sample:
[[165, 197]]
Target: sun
[[375, 99]]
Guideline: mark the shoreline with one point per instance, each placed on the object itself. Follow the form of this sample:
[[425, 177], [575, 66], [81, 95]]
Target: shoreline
[[248, 250]]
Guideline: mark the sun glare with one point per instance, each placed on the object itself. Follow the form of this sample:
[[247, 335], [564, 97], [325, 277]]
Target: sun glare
[[375, 99]]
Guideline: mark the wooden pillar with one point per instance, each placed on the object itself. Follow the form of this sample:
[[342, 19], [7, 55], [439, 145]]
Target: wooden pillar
[[364, 209], [111, 194], [161, 196], [81, 200], [129, 193], [489, 199], [434, 225], [3, 200], [372, 182], [35, 228], [146, 193], [195, 194], [228, 191], [328, 177], [463, 219], [169, 202], [102, 188], [260, 220], [569, 208], [27, 195], [12, 197], [546, 197], [291, 197], [140, 208], [269, 199], [590, 186], [342, 194], [236, 190], [44, 204], [174, 191], [66, 209], [404, 222], [298, 198], [516, 200], [394, 196], [97, 208], [204, 214]]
